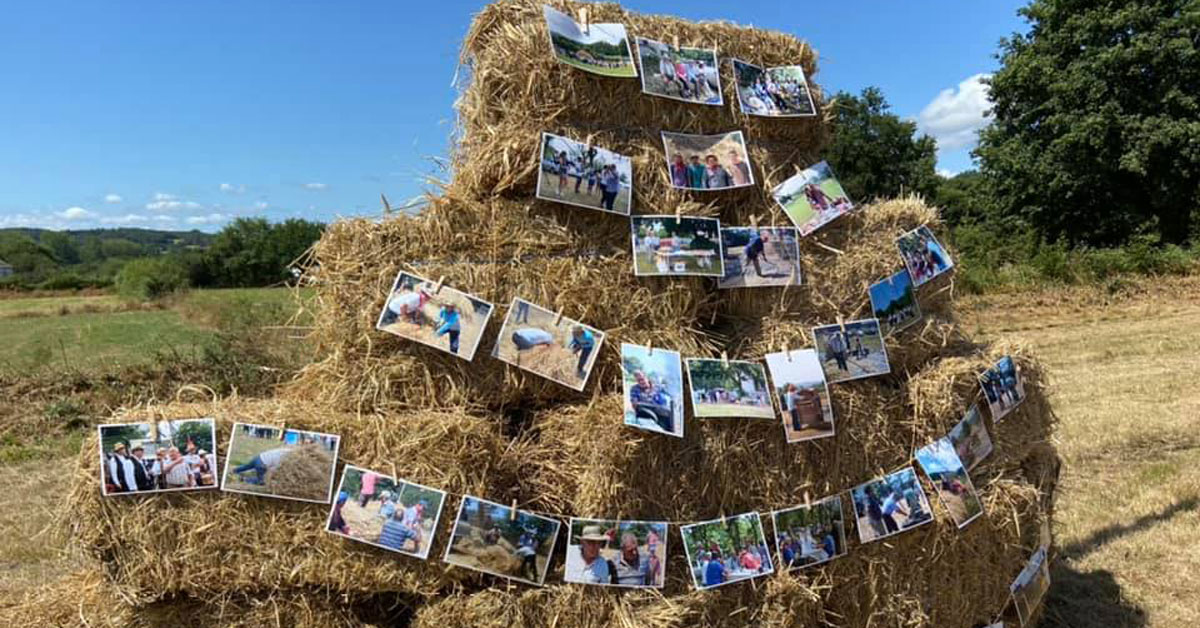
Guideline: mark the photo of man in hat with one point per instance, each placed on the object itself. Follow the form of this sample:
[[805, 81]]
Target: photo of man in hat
[[616, 553]]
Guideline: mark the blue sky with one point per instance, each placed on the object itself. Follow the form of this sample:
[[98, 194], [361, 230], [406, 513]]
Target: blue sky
[[183, 115]]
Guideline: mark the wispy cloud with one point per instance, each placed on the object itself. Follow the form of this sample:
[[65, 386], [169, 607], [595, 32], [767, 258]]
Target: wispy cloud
[[127, 219], [76, 213], [209, 219], [112, 198], [955, 116], [233, 189], [315, 186], [169, 202], [261, 205]]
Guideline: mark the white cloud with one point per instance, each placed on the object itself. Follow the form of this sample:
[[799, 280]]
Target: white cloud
[[946, 172], [163, 218], [261, 205], [169, 202], [315, 186], [112, 198], [162, 196], [76, 213], [956, 114], [124, 220], [233, 189], [210, 219]]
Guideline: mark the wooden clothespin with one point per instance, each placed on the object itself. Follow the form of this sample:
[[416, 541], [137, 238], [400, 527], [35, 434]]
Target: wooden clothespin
[[583, 20], [675, 41], [807, 500], [724, 359], [438, 287], [678, 213], [786, 353], [892, 279], [841, 323], [754, 221], [650, 348], [512, 512], [558, 316]]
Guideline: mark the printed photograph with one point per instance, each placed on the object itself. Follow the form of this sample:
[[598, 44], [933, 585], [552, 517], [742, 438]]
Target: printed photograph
[[687, 74], [729, 389], [617, 553], [277, 462], [379, 510], [851, 351], [895, 302], [671, 246], [802, 394], [1031, 585], [762, 257], [708, 162], [600, 49], [970, 438], [446, 319], [810, 535], [539, 341], [158, 456], [950, 481], [890, 505], [574, 173], [1003, 388], [488, 537], [924, 256], [726, 550], [653, 384], [812, 198], [777, 92]]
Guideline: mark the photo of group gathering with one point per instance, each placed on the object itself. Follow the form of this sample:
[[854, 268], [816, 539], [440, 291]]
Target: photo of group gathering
[[497, 540], [1003, 388], [760, 257], [617, 553], [851, 350], [729, 389], [1031, 585], [970, 438], [924, 256], [894, 302], [283, 463], [677, 245], [890, 505], [378, 510], [708, 162], [687, 74], [726, 550], [438, 316], [811, 534], [600, 48], [583, 175], [548, 344], [777, 92], [158, 456], [812, 198], [802, 393], [950, 481], [653, 384]]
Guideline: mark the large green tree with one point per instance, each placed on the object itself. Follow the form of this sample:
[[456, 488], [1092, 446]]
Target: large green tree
[[253, 252]]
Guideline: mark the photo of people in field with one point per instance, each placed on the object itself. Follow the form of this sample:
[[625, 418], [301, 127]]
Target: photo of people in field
[[970, 438], [707, 162], [760, 257], [157, 456], [653, 386], [776, 92], [440, 317], [1002, 387], [811, 534], [802, 393], [600, 48], [852, 350], [283, 463], [617, 553], [924, 257], [894, 302], [1031, 585], [676, 245], [378, 510], [812, 198], [546, 344], [950, 481], [687, 74], [726, 550], [890, 505], [491, 538], [583, 175], [729, 388]]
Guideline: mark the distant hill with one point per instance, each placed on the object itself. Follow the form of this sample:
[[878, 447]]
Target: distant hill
[[149, 238]]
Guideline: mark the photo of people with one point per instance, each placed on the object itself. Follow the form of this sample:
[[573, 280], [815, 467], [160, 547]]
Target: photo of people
[[950, 481], [1003, 388], [653, 384], [546, 344], [491, 538], [924, 256], [1031, 585], [726, 550], [802, 394], [443, 318], [890, 505], [729, 389], [895, 302], [708, 162], [761, 257], [776, 92], [810, 535], [574, 173], [617, 553], [600, 48], [812, 198], [970, 438], [378, 510], [157, 457], [851, 351], [687, 74], [283, 463], [675, 246]]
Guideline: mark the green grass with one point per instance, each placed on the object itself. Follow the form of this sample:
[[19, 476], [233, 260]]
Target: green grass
[[39, 306], [624, 72]]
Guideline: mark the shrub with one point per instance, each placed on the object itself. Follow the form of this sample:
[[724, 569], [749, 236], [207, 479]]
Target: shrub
[[150, 278]]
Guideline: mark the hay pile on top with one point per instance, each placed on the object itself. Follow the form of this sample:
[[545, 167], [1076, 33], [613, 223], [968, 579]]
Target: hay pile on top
[[303, 473]]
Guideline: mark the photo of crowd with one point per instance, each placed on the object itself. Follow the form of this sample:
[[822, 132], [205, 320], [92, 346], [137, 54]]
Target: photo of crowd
[[707, 162], [438, 316], [726, 550], [729, 388], [760, 257], [378, 510], [600, 48], [546, 344], [894, 302], [970, 438], [776, 92], [812, 198], [652, 380], [687, 74], [1003, 388], [283, 463], [924, 256], [495, 539], [584, 175], [616, 553], [802, 393], [852, 350], [811, 534], [158, 456], [676, 246], [890, 505], [950, 481]]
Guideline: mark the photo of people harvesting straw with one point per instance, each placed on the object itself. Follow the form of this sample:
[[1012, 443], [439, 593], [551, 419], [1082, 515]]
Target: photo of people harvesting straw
[[776, 92], [652, 381], [440, 317], [924, 256], [574, 173], [729, 388], [687, 74], [494, 539], [599, 48], [894, 302], [950, 481], [707, 162], [802, 393], [890, 505], [970, 438], [158, 456], [1003, 388], [812, 198], [616, 553], [283, 463], [378, 510], [723, 551], [852, 350], [674, 245], [811, 534], [546, 344], [760, 257]]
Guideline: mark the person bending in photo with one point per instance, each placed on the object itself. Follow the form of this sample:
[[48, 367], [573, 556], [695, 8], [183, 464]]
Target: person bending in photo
[[890, 508], [582, 342], [754, 249], [260, 465], [449, 324], [715, 176]]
